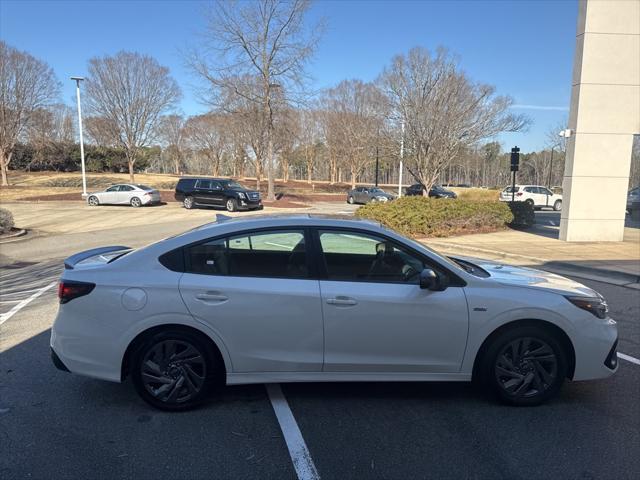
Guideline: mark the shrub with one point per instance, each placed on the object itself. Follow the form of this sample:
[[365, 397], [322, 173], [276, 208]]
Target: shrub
[[6, 221], [523, 214], [430, 217]]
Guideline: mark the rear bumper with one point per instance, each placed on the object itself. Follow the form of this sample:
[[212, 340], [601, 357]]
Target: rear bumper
[[57, 362]]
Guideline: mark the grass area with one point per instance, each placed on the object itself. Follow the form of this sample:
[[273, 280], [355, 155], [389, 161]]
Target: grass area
[[477, 194]]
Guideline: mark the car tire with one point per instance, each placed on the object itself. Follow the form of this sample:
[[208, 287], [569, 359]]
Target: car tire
[[231, 205], [350, 200], [557, 206], [160, 361], [135, 202], [529, 202], [188, 203], [520, 379], [93, 201]]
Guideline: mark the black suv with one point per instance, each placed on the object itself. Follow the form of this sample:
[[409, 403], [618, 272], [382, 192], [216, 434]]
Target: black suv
[[216, 192], [436, 191]]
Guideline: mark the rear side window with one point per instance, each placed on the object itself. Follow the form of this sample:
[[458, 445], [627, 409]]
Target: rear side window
[[185, 183], [272, 254], [205, 184]]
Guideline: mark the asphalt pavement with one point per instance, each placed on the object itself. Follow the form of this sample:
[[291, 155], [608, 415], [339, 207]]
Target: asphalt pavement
[[58, 425]]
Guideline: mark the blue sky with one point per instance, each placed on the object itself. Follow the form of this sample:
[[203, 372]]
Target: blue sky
[[524, 48]]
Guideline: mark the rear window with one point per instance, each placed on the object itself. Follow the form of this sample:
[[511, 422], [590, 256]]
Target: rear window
[[511, 189], [186, 183], [144, 187]]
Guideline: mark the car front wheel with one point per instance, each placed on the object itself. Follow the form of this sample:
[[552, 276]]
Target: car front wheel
[[558, 205], [350, 200], [231, 205], [525, 366], [93, 201], [174, 370]]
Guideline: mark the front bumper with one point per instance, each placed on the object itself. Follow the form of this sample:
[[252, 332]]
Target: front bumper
[[57, 362], [596, 350], [249, 205]]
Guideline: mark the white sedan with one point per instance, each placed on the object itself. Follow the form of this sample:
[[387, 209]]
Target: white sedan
[[304, 299], [132, 194]]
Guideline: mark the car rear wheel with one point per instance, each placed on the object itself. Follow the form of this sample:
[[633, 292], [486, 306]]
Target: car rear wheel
[[558, 205], [188, 203], [93, 201], [135, 202], [350, 200], [174, 370], [525, 366], [529, 201], [231, 205]]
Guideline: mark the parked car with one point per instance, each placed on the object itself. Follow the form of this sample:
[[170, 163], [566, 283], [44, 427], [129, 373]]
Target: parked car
[[314, 299], [436, 191], [535, 195], [368, 194], [132, 194], [633, 197], [216, 192]]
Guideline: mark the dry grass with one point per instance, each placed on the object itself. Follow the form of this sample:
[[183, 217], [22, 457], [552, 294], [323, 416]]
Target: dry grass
[[476, 194]]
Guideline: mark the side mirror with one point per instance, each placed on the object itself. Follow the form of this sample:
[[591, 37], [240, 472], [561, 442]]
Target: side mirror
[[430, 280]]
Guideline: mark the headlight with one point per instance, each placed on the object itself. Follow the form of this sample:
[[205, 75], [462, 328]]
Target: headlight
[[241, 195], [382, 199], [596, 306]]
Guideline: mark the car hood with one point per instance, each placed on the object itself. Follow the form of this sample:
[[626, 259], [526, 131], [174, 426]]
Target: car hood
[[531, 278]]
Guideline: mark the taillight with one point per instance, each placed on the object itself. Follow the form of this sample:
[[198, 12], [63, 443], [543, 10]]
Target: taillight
[[519, 194], [68, 290]]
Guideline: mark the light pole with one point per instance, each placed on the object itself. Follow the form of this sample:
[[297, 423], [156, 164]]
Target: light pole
[[401, 157], [84, 176]]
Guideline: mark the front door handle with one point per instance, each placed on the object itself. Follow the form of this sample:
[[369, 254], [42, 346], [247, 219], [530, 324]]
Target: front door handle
[[341, 301], [211, 297]]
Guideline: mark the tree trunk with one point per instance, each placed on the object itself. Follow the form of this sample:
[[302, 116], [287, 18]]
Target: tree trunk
[[4, 167], [131, 160], [271, 195], [354, 176]]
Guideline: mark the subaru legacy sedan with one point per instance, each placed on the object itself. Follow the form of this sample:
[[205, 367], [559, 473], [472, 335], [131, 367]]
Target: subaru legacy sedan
[[317, 299]]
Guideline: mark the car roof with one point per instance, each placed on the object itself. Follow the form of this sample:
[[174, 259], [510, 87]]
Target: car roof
[[208, 178]]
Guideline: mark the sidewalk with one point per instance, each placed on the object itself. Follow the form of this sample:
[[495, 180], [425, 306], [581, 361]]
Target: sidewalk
[[618, 262]]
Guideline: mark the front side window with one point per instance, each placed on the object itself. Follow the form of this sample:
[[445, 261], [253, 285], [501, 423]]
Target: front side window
[[272, 254], [126, 188], [361, 257]]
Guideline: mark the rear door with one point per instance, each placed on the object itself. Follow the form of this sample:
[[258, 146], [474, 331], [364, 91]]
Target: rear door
[[202, 193], [125, 192], [377, 318], [255, 291]]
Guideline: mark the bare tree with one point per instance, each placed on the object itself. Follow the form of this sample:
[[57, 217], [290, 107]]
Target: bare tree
[[309, 137], [209, 134], [443, 110], [51, 133], [265, 39], [130, 91], [356, 116], [172, 131], [26, 86]]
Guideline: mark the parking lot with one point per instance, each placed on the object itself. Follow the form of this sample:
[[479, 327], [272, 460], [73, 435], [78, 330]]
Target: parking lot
[[53, 424]]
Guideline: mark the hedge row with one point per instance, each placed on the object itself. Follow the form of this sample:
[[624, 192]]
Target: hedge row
[[430, 217]]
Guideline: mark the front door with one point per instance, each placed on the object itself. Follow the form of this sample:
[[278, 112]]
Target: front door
[[377, 318], [254, 290]]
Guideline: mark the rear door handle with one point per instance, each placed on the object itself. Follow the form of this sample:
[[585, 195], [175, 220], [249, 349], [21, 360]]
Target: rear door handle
[[212, 297], [342, 301]]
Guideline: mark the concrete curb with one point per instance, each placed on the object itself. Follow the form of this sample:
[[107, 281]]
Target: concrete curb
[[592, 273], [14, 236]]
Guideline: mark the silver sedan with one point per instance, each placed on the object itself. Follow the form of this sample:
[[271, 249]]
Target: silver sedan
[[132, 194]]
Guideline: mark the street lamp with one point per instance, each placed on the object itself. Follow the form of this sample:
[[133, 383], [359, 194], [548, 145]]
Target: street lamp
[[84, 176], [564, 134]]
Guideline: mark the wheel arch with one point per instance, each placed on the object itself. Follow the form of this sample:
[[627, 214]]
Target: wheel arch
[[558, 332], [142, 336]]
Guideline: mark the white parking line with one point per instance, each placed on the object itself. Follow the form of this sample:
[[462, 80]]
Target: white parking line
[[298, 451], [6, 316], [628, 358]]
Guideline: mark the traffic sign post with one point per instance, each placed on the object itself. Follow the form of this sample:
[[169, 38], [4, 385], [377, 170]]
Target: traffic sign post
[[515, 165]]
